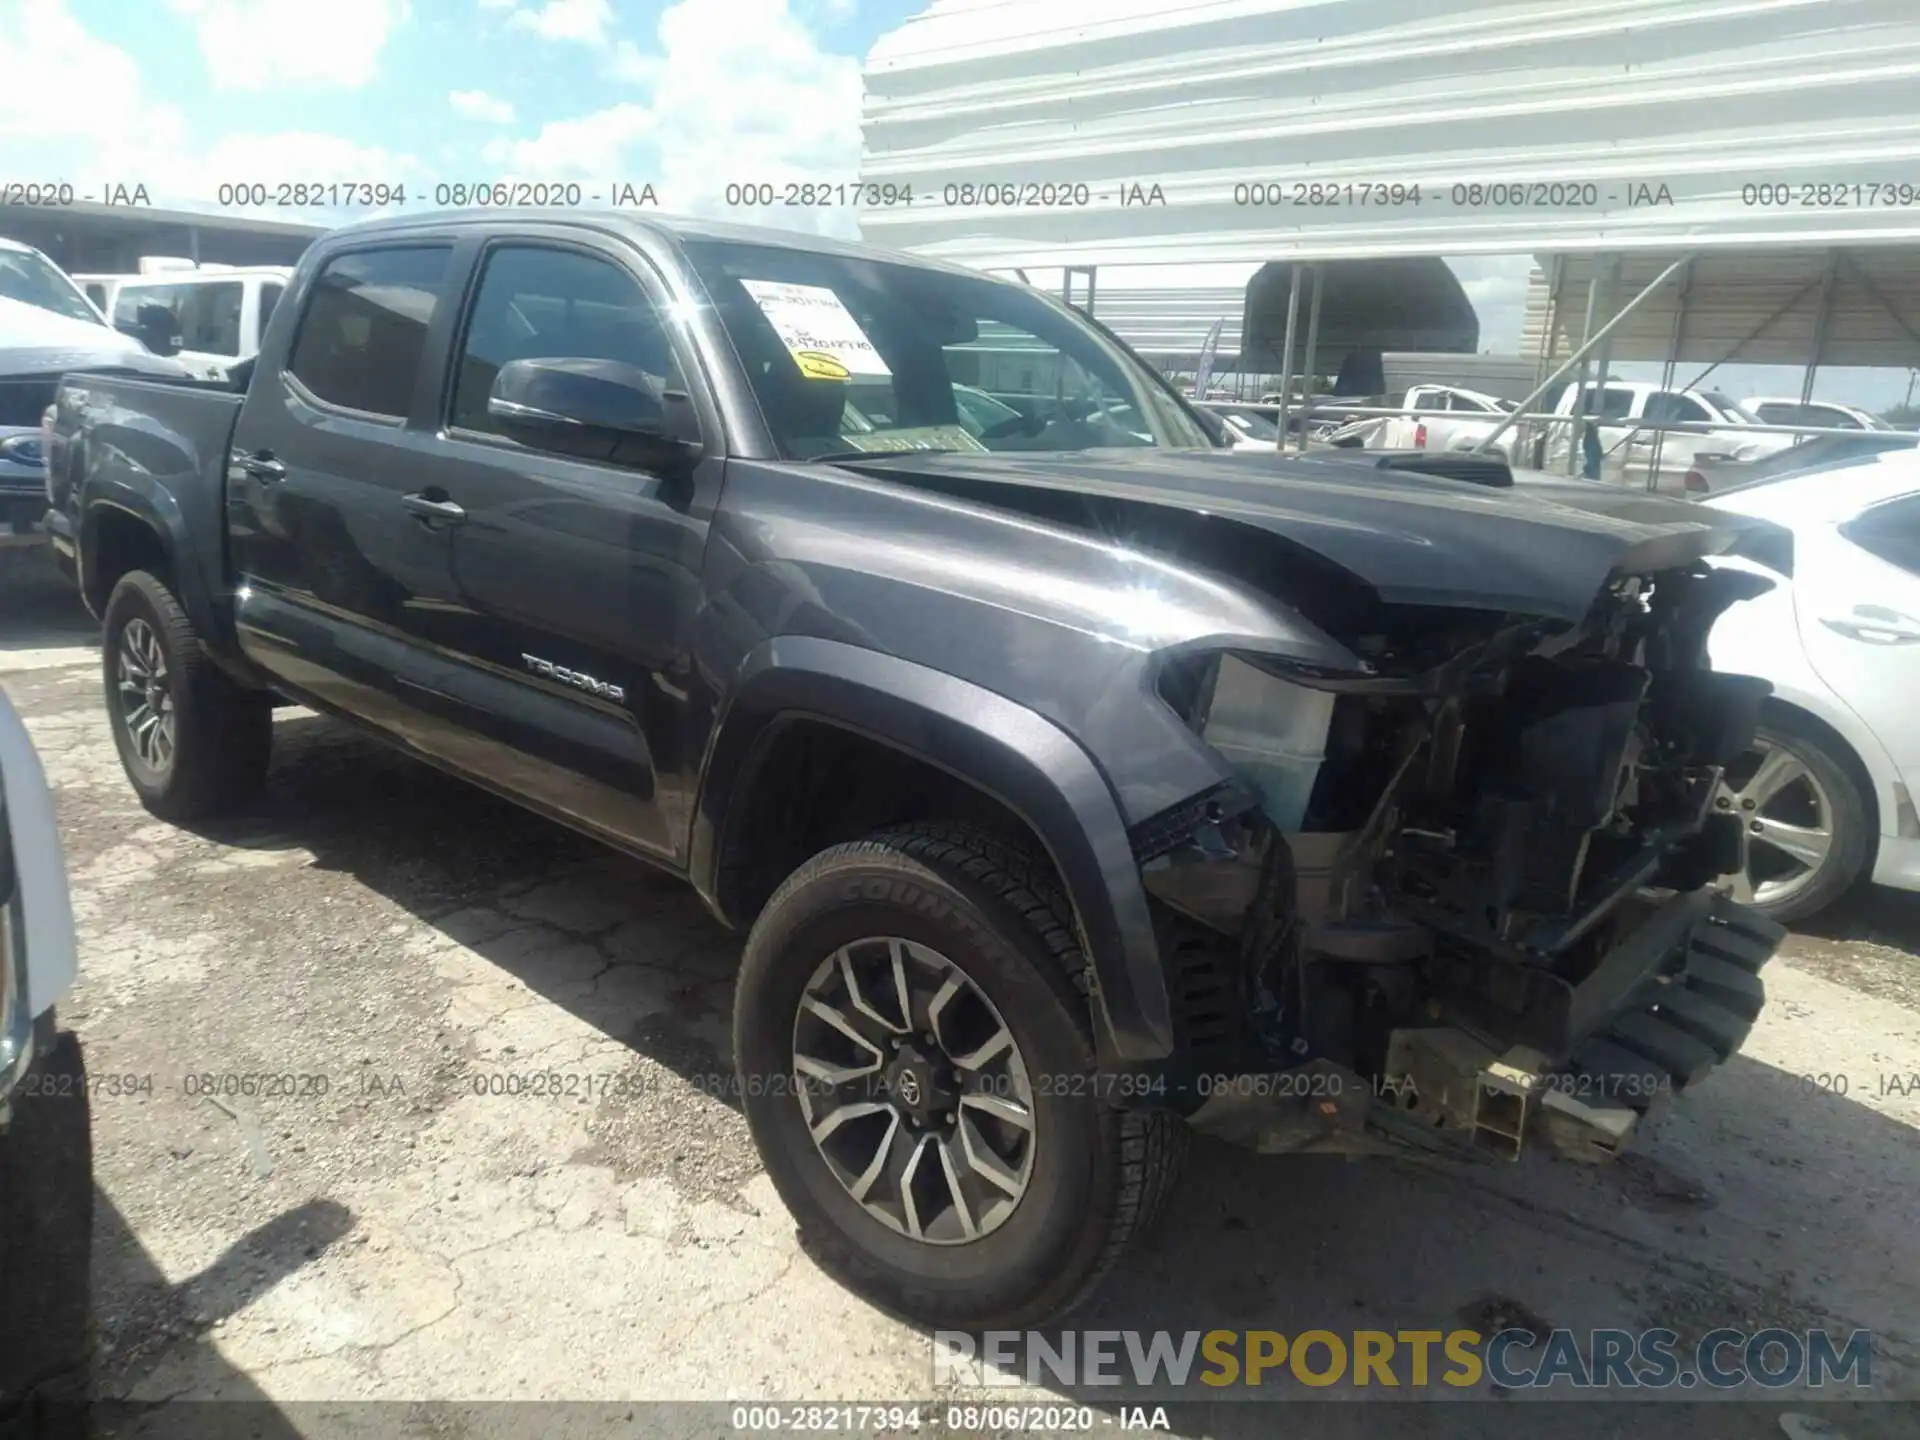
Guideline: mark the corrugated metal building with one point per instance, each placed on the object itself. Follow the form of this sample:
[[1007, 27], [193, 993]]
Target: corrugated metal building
[[1323, 129]]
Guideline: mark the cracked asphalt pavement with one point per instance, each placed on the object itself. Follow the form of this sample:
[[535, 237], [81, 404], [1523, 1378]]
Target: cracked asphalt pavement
[[400, 1093]]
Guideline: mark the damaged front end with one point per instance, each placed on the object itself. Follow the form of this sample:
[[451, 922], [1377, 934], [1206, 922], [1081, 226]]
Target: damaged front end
[[1459, 898]]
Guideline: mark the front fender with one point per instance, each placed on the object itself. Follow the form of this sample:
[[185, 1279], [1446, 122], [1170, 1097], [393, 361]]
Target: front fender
[[1011, 753]]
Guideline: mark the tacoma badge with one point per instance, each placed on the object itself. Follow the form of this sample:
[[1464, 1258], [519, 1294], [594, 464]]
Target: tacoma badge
[[575, 679]]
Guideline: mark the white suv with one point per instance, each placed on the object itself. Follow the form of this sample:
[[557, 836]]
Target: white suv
[[218, 316]]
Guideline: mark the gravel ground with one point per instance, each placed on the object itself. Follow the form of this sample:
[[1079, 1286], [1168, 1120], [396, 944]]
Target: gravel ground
[[382, 1221]]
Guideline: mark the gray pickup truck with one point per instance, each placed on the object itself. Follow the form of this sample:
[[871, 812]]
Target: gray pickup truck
[[1077, 783]]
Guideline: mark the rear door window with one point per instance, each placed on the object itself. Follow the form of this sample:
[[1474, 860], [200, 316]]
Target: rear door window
[[365, 326]]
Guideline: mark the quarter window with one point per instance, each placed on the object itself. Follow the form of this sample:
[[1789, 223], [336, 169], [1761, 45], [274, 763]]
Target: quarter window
[[365, 326]]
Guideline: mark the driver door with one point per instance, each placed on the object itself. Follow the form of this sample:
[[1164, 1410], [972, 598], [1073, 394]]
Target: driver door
[[576, 581]]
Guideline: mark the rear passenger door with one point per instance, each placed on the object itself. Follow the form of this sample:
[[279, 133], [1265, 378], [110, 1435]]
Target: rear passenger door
[[577, 581], [339, 581]]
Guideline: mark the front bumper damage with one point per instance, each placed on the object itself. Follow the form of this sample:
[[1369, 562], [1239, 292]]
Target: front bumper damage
[[1671, 1001]]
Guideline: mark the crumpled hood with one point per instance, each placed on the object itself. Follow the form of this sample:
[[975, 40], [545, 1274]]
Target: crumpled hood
[[1537, 549]]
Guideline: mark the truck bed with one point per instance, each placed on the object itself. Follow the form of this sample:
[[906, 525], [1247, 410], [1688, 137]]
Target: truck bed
[[153, 447]]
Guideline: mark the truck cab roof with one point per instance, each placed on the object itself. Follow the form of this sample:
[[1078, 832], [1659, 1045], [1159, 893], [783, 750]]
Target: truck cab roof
[[642, 223]]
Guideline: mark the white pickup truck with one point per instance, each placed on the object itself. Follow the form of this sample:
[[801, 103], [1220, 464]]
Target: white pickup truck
[[1471, 417], [1627, 447]]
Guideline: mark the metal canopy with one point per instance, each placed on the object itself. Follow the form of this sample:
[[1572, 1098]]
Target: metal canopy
[[1530, 126], [1857, 306], [1393, 304], [91, 238]]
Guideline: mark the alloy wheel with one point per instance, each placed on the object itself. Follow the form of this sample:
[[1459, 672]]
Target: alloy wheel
[[914, 1091], [1786, 823], [146, 702]]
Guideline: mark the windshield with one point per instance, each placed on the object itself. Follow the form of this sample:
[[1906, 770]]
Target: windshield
[[930, 360], [1252, 424], [1730, 408], [31, 278]]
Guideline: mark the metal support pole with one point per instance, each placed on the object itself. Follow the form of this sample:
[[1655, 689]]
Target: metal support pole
[[1550, 322], [1306, 364], [1286, 359], [1625, 310], [1576, 431], [1674, 337], [1603, 357], [1066, 285], [1821, 319], [193, 244]]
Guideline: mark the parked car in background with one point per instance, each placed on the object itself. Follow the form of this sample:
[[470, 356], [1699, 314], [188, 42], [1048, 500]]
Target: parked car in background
[[47, 328], [1710, 474], [1479, 414], [99, 290], [218, 315], [1249, 427], [1628, 448], [38, 960], [1826, 795], [1821, 414]]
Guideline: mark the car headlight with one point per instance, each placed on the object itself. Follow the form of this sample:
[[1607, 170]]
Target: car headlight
[[23, 450]]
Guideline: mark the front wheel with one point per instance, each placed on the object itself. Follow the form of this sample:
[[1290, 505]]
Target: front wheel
[[193, 743], [918, 1073], [1805, 829]]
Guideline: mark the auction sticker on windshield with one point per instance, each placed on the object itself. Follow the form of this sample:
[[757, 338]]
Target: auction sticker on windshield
[[826, 342]]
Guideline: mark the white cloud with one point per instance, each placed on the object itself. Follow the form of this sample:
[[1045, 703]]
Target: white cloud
[[583, 20], [265, 44], [51, 60], [799, 119], [124, 134], [635, 66], [479, 105], [589, 147], [697, 127]]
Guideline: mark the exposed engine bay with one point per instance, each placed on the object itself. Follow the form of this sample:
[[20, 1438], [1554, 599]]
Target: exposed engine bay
[[1464, 898]]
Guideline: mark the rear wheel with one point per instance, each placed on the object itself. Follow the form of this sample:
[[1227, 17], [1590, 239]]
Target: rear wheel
[[917, 1068], [1805, 829], [193, 743]]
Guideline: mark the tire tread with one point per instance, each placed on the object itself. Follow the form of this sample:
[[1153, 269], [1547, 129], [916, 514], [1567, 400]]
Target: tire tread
[[1151, 1145]]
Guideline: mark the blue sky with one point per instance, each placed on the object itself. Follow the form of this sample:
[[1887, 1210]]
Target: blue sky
[[182, 95], [185, 94]]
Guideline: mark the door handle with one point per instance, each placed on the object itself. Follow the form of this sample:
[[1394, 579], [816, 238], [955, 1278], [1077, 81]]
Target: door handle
[[429, 509], [262, 466], [1875, 625]]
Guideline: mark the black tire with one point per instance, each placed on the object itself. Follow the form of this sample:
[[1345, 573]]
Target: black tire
[[1100, 1175], [1853, 827], [223, 733]]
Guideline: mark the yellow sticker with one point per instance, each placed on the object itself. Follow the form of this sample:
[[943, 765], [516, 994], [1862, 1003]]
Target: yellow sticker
[[818, 365]]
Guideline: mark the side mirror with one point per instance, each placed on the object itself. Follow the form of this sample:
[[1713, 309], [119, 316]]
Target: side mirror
[[603, 409], [155, 327]]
